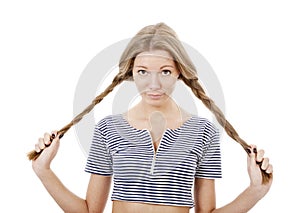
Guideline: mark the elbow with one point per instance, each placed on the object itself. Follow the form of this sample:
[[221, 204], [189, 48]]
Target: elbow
[[94, 209], [81, 208]]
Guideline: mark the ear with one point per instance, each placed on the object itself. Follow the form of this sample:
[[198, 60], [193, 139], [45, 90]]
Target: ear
[[129, 75], [179, 77], [130, 78]]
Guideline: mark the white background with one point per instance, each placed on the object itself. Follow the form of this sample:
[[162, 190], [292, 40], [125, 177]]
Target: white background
[[253, 47]]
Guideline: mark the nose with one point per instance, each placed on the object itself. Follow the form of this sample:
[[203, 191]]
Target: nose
[[154, 81]]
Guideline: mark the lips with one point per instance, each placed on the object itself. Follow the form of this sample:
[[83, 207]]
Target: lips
[[155, 96]]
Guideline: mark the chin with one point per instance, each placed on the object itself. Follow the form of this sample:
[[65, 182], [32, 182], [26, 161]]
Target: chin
[[156, 102]]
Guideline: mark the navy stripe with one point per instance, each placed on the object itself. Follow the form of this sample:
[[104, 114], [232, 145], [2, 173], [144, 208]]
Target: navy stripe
[[165, 177]]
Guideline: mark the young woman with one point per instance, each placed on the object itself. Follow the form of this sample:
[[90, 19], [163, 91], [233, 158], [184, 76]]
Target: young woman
[[155, 152]]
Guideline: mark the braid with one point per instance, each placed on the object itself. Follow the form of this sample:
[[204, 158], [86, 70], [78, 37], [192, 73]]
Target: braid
[[116, 81], [210, 104]]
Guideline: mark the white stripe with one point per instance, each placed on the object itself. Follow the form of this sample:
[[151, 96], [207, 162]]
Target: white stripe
[[165, 177]]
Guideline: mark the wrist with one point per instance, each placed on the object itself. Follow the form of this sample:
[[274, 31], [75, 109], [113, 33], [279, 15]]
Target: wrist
[[41, 172], [256, 191]]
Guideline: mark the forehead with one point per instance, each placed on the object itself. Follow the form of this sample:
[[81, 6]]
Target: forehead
[[156, 57]]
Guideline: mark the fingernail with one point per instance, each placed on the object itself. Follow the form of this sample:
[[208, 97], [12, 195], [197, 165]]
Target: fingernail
[[52, 137], [255, 150]]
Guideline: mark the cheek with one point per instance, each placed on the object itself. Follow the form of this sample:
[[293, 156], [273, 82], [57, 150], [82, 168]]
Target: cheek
[[141, 85], [169, 88], [169, 84]]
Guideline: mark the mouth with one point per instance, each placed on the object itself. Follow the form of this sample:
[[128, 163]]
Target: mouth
[[154, 96]]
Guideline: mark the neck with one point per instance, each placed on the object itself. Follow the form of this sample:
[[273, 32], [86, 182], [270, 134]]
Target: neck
[[169, 115], [168, 109]]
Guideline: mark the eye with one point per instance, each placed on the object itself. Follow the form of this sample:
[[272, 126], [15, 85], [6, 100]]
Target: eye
[[142, 72], [166, 72]]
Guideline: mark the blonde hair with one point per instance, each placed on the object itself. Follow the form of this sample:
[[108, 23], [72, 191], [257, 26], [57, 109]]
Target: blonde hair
[[157, 37], [161, 37]]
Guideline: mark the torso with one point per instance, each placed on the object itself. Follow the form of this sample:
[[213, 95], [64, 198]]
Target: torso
[[146, 172], [133, 207], [158, 178], [156, 126]]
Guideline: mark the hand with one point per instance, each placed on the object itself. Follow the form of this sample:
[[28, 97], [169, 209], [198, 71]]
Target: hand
[[254, 170], [49, 148]]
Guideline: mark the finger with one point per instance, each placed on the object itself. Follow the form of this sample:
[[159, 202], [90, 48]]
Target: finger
[[54, 134], [41, 143], [47, 139], [260, 155], [37, 148], [269, 170], [265, 163]]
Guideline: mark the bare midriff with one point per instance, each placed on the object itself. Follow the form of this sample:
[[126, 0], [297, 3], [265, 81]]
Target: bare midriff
[[135, 207]]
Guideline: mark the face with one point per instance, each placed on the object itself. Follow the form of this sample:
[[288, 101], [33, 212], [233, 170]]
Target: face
[[155, 75]]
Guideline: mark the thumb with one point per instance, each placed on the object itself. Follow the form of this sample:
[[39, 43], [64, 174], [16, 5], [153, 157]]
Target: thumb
[[53, 145], [252, 156], [55, 139]]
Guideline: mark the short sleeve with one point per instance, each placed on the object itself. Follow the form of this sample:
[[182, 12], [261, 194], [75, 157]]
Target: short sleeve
[[209, 163], [99, 160]]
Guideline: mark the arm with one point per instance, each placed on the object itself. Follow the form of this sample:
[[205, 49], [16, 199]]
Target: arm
[[204, 195], [205, 189], [98, 188]]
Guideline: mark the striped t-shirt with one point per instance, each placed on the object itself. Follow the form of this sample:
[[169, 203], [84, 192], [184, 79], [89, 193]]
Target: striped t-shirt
[[163, 177]]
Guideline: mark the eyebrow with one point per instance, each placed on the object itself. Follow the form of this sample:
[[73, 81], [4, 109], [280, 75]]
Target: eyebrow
[[144, 67], [168, 65]]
